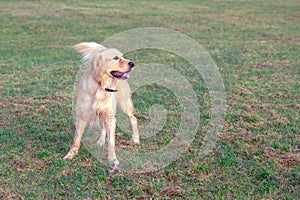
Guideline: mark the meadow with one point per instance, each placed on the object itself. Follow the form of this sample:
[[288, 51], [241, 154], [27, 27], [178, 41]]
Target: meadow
[[255, 45]]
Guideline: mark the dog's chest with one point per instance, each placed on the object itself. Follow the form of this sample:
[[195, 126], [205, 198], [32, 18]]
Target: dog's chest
[[104, 102]]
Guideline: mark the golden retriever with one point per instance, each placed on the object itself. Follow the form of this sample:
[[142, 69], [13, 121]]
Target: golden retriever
[[102, 87]]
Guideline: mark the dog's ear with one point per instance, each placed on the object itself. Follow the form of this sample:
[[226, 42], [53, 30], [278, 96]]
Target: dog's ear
[[97, 66], [97, 61], [88, 48]]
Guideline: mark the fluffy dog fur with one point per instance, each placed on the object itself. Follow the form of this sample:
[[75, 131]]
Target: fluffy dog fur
[[102, 87]]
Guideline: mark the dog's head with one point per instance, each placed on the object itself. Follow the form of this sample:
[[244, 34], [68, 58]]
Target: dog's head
[[107, 64], [114, 64]]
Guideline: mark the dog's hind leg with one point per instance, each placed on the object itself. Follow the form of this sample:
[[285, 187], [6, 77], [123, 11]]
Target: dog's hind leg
[[80, 126]]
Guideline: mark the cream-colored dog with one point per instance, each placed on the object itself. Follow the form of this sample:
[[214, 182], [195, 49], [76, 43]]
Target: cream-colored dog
[[102, 87]]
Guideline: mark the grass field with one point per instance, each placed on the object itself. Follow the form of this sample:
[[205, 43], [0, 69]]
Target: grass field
[[255, 45]]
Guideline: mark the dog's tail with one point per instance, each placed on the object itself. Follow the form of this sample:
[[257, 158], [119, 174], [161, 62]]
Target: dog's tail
[[88, 48]]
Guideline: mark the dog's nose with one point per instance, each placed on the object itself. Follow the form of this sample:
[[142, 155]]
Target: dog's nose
[[131, 64]]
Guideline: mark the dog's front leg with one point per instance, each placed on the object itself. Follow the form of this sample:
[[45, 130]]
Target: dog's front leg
[[126, 105], [101, 140], [134, 124], [110, 127]]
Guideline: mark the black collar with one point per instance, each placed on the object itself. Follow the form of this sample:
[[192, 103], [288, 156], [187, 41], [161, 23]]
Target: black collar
[[107, 89], [110, 90]]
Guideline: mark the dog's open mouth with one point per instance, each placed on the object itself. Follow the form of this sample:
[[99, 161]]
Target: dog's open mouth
[[120, 75]]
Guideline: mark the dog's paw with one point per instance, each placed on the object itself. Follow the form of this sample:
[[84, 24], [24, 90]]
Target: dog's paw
[[70, 155], [112, 158], [116, 167], [101, 141], [136, 139]]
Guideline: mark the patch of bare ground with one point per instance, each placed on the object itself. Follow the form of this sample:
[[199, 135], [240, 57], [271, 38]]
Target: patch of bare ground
[[283, 159], [274, 64], [252, 114], [284, 40], [30, 9], [16, 107], [32, 104]]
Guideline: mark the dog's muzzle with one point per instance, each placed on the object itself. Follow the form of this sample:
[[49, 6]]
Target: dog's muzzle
[[123, 75]]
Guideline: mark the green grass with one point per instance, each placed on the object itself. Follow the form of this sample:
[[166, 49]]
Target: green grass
[[255, 45]]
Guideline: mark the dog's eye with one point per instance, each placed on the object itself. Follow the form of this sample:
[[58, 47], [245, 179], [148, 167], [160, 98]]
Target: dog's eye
[[116, 58]]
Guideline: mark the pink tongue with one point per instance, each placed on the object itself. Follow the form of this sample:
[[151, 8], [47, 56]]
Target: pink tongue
[[126, 75]]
